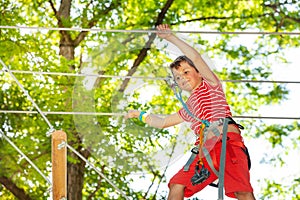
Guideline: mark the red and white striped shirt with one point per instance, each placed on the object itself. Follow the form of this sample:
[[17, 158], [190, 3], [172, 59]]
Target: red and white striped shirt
[[207, 102]]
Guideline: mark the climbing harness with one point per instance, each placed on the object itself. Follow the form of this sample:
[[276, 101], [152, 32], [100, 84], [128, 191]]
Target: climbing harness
[[201, 173], [213, 127]]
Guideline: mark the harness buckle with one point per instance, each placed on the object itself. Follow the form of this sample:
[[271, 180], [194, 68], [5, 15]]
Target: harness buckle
[[195, 150], [230, 121], [206, 123], [201, 174]]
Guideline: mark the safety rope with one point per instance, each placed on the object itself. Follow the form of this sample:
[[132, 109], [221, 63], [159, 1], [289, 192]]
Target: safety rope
[[139, 77], [149, 31], [178, 93], [62, 113], [84, 75], [123, 114], [179, 97]]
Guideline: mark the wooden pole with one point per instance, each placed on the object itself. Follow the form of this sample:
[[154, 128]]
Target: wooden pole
[[59, 165]]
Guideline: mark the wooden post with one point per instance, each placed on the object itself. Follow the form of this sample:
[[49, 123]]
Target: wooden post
[[59, 165]]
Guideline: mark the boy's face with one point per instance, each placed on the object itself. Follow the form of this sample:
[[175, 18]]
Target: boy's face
[[187, 77]]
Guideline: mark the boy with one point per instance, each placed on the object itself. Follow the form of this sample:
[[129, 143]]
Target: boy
[[207, 101]]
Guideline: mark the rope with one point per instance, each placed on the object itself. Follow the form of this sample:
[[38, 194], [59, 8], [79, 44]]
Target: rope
[[123, 114], [135, 77], [84, 75], [266, 117], [259, 81], [6, 69], [61, 113], [24, 156], [178, 95], [150, 31], [97, 170]]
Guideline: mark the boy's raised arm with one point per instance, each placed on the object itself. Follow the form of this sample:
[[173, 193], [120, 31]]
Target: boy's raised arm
[[190, 52]]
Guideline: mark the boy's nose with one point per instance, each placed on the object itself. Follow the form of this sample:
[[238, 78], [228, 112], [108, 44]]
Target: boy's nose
[[181, 79]]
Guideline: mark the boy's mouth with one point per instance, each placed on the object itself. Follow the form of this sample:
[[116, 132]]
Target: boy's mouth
[[185, 82]]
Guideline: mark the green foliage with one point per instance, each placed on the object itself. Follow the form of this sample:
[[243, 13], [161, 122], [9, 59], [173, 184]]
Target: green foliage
[[279, 191]]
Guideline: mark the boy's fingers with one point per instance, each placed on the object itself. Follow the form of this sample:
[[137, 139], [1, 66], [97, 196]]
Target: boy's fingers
[[131, 114]]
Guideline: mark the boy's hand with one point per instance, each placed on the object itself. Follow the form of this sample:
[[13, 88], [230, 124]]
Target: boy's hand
[[132, 114], [164, 31]]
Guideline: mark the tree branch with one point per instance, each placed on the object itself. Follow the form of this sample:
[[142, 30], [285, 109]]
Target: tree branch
[[163, 12], [93, 21], [143, 53], [92, 195], [53, 7], [13, 188], [218, 18]]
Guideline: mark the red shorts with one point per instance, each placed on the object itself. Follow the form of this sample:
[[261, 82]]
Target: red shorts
[[236, 177]]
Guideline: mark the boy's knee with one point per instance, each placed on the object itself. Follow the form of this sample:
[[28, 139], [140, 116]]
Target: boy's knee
[[244, 195], [176, 192], [176, 187]]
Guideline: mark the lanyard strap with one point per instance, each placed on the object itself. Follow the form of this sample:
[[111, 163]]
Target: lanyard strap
[[178, 95]]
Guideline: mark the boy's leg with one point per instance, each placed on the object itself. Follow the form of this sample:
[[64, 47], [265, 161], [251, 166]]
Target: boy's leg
[[244, 195], [176, 192], [237, 176]]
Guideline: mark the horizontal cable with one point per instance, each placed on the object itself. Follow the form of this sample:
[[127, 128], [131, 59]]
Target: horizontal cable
[[7, 70], [259, 81], [123, 114], [60, 113], [266, 117], [83, 75], [133, 77], [149, 31]]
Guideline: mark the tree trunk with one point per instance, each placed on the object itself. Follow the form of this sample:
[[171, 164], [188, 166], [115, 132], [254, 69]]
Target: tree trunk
[[75, 172]]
